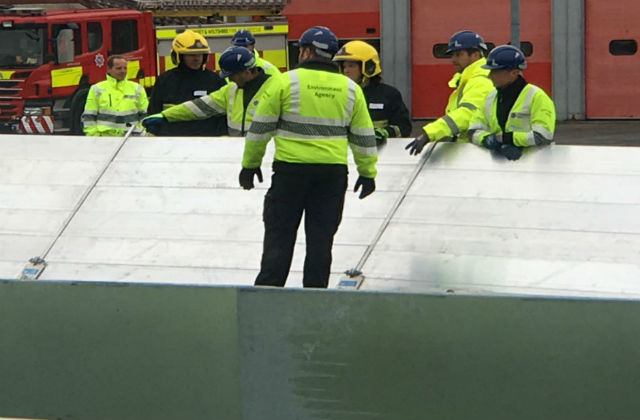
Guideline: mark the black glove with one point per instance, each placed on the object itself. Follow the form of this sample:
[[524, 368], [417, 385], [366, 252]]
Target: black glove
[[368, 186], [154, 123], [490, 141], [510, 151], [246, 177], [416, 146]]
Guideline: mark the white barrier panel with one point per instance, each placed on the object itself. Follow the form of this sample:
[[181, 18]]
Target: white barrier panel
[[560, 221]]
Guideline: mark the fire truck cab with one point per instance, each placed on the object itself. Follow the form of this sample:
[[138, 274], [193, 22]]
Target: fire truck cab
[[49, 59]]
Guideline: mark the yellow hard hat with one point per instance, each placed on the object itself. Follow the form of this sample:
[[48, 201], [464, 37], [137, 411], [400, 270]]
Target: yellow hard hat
[[363, 52], [188, 42]]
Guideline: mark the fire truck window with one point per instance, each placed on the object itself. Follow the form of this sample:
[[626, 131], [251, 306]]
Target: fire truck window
[[623, 47], [527, 48], [77, 38], [124, 36], [94, 35]]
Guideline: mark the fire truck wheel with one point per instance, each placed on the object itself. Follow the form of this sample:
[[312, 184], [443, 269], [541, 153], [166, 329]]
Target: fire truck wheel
[[77, 108]]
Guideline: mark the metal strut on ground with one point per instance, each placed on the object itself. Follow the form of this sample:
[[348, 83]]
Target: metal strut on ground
[[355, 277], [36, 265]]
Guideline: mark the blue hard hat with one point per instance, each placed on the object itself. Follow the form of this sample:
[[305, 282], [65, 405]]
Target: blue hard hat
[[462, 40], [505, 57], [235, 59], [320, 37], [242, 38]]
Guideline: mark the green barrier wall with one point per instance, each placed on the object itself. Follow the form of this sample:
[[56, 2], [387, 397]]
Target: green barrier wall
[[140, 351]]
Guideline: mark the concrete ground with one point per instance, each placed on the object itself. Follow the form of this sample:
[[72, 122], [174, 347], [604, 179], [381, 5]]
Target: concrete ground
[[594, 132]]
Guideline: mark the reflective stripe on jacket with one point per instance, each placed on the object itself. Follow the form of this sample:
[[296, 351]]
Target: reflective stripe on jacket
[[313, 114], [228, 100], [470, 88], [111, 105], [532, 118]]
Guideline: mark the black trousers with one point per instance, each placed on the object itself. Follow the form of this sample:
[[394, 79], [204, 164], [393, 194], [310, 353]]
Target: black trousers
[[317, 191]]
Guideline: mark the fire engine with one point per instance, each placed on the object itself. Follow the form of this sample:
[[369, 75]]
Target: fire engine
[[49, 58]]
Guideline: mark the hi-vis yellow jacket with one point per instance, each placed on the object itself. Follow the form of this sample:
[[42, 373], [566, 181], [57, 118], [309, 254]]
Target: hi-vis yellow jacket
[[532, 118], [313, 114], [112, 105], [470, 88], [266, 66], [229, 100]]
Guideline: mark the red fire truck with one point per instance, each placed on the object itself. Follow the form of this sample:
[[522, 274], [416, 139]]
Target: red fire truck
[[49, 59]]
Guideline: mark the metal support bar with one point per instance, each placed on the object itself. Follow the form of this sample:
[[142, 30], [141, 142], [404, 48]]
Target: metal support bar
[[567, 58], [515, 23], [355, 276], [36, 265], [395, 45]]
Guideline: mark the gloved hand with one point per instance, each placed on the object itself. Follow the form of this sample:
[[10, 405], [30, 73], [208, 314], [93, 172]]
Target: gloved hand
[[510, 151], [153, 123], [490, 141], [416, 146], [246, 177], [381, 136], [368, 186]]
